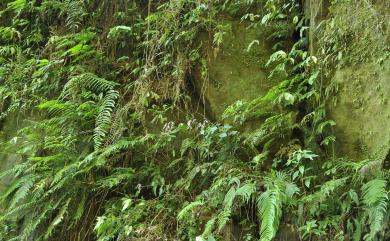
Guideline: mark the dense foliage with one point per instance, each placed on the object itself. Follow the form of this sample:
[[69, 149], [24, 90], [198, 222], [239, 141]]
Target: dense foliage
[[111, 147]]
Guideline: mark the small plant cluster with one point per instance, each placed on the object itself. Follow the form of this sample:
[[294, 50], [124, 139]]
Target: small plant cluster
[[109, 148]]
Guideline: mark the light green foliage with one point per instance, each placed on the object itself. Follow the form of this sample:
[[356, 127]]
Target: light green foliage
[[111, 150]]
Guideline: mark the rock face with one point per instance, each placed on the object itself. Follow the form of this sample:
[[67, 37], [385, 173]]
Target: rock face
[[362, 75], [233, 70], [362, 111]]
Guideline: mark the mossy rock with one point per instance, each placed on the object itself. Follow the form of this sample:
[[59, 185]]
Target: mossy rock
[[361, 72], [234, 71], [362, 111]]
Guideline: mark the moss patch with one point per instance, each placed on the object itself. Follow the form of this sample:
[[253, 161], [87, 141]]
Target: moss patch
[[355, 49], [362, 112], [234, 73]]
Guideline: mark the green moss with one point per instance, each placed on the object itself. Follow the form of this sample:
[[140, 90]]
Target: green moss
[[361, 114], [234, 71], [355, 32], [354, 47]]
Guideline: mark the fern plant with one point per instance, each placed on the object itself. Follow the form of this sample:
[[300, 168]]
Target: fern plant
[[270, 203], [376, 201], [110, 147], [103, 119]]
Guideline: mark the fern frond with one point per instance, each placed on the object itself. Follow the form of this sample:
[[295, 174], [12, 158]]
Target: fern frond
[[209, 227], [33, 224], [117, 147], [23, 190], [69, 169], [15, 171], [24, 206], [75, 13], [89, 81], [325, 190], [80, 208], [58, 219], [224, 216], [56, 107], [376, 200], [17, 5], [103, 119], [270, 206], [246, 191], [23, 183], [191, 206], [270, 203], [120, 175]]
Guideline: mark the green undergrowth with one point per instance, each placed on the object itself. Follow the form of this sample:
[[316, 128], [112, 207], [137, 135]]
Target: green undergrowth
[[91, 78]]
